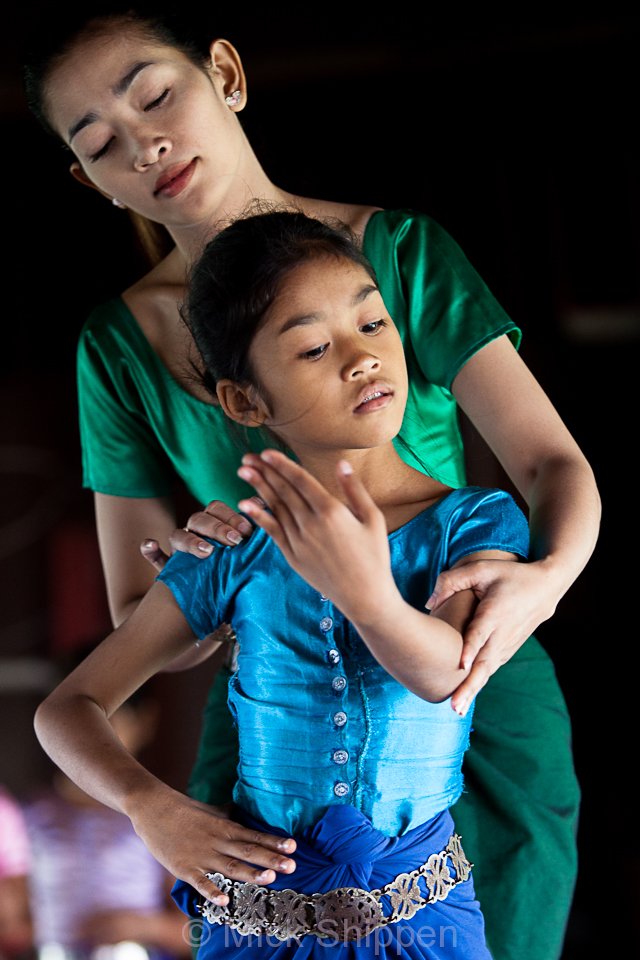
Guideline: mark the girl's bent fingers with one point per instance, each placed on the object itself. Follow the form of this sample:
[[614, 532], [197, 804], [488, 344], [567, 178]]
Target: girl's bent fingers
[[358, 497], [303, 482]]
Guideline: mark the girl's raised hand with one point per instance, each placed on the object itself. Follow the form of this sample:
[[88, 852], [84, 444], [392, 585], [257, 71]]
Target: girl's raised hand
[[340, 549], [513, 600]]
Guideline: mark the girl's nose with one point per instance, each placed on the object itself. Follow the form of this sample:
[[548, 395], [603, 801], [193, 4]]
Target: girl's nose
[[359, 365], [149, 151]]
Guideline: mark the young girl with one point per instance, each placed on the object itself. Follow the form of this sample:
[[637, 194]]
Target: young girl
[[152, 120], [350, 751]]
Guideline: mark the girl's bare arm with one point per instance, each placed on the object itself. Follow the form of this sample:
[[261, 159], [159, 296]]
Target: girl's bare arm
[[72, 724]]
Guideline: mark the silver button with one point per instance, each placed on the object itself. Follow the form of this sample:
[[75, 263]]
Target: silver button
[[340, 756], [341, 789], [333, 656], [340, 718], [325, 624], [338, 684]]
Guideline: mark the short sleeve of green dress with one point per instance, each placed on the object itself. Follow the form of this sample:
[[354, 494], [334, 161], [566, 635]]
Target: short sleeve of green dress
[[140, 430]]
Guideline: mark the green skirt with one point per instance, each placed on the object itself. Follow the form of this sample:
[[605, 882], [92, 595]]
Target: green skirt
[[517, 817]]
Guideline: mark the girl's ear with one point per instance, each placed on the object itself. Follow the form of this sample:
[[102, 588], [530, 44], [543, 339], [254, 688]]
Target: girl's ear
[[242, 403], [228, 74]]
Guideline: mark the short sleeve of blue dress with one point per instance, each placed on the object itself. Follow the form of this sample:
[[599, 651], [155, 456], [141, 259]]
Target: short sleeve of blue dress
[[487, 519], [200, 587]]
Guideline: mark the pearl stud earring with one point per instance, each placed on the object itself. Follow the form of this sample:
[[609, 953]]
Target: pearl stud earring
[[234, 98], [118, 203]]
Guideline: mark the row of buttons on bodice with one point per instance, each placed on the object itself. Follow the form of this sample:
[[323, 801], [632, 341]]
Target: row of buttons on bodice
[[339, 756]]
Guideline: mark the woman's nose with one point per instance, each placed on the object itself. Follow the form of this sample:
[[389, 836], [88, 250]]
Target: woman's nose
[[149, 150]]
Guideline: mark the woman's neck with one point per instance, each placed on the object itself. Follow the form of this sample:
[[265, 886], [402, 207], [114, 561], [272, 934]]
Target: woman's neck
[[400, 491]]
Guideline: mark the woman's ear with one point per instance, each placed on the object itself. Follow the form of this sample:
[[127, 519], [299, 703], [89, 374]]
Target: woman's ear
[[242, 403], [228, 73], [77, 172]]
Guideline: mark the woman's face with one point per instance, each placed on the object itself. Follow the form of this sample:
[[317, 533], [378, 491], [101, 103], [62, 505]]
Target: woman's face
[[329, 361], [147, 126]]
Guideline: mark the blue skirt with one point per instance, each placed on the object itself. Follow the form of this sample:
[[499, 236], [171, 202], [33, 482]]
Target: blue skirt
[[344, 850]]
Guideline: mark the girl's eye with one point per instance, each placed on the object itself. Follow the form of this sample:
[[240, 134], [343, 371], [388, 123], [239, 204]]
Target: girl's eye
[[156, 103], [101, 152], [374, 327], [316, 353]]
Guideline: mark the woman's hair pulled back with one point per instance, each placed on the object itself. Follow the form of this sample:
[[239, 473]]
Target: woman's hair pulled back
[[59, 30]]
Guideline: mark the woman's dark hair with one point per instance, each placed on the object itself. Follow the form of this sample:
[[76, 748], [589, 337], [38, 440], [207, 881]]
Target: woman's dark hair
[[57, 31], [238, 276]]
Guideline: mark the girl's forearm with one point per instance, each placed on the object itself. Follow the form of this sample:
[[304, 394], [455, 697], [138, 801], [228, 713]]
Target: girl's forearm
[[422, 652], [74, 731]]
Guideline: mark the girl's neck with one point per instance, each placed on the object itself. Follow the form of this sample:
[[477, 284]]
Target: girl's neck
[[397, 489]]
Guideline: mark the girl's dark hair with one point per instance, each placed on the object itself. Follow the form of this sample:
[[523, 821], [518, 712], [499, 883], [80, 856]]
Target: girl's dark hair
[[238, 276]]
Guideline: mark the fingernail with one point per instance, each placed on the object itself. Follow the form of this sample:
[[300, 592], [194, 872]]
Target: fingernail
[[148, 544], [245, 473], [220, 901], [204, 547], [345, 467], [265, 875], [245, 526], [284, 845], [234, 537], [285, 865]]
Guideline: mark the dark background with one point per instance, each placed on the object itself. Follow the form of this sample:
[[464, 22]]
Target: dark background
[[519, 134]]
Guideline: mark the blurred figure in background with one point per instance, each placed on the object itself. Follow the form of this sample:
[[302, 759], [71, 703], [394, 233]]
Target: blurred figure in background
[[96, 892], [15, 922]]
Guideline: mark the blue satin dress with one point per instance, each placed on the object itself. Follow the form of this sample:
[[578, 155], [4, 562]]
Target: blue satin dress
[[333, 750]]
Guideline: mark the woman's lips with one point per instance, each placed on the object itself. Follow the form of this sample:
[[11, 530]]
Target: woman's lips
[[171, 184]]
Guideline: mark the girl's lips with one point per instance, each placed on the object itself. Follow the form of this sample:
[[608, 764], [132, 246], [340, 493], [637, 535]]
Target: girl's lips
[[376, 403], [175, 185]]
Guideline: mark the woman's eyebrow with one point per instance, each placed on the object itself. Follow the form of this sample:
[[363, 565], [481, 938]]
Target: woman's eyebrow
[[308, 318], [118, 90]]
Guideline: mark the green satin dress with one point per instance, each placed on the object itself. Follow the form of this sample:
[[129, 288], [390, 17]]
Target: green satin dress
[[141, 431]]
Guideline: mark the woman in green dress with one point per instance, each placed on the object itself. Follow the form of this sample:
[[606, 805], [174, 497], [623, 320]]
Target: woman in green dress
[[153, 124]]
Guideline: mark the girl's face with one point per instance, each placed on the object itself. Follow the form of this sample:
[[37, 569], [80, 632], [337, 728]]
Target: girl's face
[[329, 361], [147, 125]]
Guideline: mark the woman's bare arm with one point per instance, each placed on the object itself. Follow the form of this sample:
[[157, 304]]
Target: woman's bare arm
[[517, 420]]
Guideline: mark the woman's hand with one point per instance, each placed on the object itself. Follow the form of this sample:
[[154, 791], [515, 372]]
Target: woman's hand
[[513, 600], [191, 839], [217, 521], [341, 550]]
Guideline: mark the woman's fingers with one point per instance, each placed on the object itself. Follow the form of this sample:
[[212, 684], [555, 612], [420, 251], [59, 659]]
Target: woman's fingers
[[218, 522], [465, 577], [152, 551], [472, 684]]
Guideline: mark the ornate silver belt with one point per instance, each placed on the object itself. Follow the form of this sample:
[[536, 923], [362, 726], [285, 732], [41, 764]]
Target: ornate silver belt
[[347, 913]]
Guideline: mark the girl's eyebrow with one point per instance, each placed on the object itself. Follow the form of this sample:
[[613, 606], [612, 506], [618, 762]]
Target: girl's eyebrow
[[118, 90], [308, 318]]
